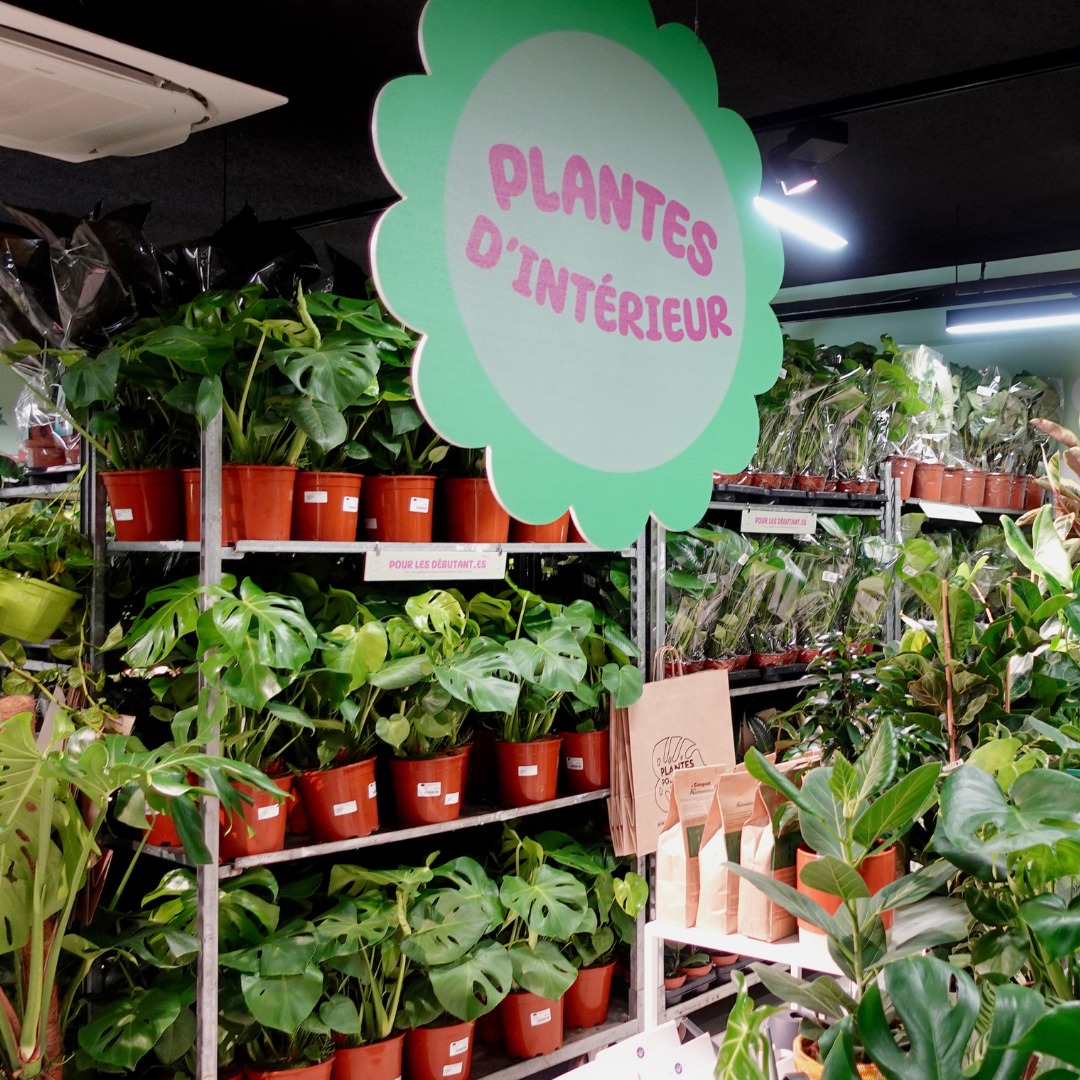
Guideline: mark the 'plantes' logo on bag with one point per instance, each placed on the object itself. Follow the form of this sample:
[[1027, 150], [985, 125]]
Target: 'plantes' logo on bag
[[669, 756], [578, 244]]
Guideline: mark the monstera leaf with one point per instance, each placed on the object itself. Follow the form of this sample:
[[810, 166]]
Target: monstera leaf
[[475, 983], [552, 904]]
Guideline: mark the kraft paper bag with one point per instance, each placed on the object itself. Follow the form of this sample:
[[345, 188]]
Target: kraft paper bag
[[680, 723], [769, 852], [732, 805], [677, 883]]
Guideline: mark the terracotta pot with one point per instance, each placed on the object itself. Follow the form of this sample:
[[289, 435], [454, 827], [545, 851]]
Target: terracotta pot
[[810, 483], [554, 532], [673, 982], [586, 763], [147, 504], [574, 534], [438, 1053], [309, 1072], [399, 509], [266, 500], [871, 487], [952, 484], [927, 484], [808, 655], [877, 871], [340, 803], [765, 479], [232, 523], [831, 485], [850, 487], [376, 1061], [429, 790], [264, 815], [326, 507], [903, 469], [766, 660], [296, 821], [481, 782], [489, 1027], [1018, 492], [1034, 494], [585, 1004], [806, 1061], [532, 1025], [998, 490], [727, 663], [723, 959], [473, 515], [973, 488], [698, 972], [528, 772], [162, 831]]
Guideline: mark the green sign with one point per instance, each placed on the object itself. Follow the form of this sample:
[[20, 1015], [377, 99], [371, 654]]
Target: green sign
[[578, 245]]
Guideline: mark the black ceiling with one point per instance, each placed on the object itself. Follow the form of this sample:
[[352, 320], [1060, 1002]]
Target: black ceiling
[[986, 174]]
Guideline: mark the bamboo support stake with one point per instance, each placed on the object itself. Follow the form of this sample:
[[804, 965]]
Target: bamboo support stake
[[1008, 667], [950, 718]]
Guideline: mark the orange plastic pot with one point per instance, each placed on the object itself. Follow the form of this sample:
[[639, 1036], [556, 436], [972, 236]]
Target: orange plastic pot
[[232, 522], [952, 484], [326, 507], [805, 482], [489, 1027], [532, 1025], [259, 826], [162, 831], [528, 772], [585, 1004], [927, 483], [376, 1061], [429, 790], [878, 870], [586, 761], [439, 1053], [973, 488], [308, 1072], [266, 500], [1034, 494], [574, 534], [399, 509], [998, 490], [340, 803], [1018, 492], [903, 470], [554, 532], [473, 514], [147, 504]]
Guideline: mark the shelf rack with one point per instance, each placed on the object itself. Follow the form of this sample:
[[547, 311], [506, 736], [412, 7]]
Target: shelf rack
[[40, 491], [363, 547]]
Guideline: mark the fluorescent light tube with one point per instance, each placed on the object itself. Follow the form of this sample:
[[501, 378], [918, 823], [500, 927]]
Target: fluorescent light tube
[[798, 225], [1003, 318]]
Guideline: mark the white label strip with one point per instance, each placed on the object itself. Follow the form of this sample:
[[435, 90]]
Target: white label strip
[[528, 770], [575, 764], [350, 504], [316, 496], [459, 1047], [440, 566], [123, 515], [541, 1017], [265, 813], [372, 790], [453, 1070], [948, 511], [418, 505], [452, 798], [831, 576], [778, 522], [431, 790], [343, 808]]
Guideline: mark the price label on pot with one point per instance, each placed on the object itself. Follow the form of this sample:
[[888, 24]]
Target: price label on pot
[[436, 566], [542, 1016], [121, 514], [432, 790], [343, 808], [778, 522], [315, 496], [459, 1047], [571, 187], [454, 1069], [418, 505], [830, 576], [528, 770], [452, 798], [372, 790], [350, 504], [575, 764], [265, 813]]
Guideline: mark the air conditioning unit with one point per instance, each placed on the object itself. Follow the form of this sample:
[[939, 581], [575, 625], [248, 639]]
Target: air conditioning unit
[[76, 96]]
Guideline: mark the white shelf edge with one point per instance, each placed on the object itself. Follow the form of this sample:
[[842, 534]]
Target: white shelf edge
[[692, 1003], [780, 684], [364, 547], [39, 491], [808, 507]]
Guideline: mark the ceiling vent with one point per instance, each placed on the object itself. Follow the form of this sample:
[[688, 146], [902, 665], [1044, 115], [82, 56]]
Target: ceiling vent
[[75, 96]]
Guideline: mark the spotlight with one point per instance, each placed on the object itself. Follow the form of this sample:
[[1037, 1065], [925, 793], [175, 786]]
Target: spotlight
[[797, 225], [794, 177]]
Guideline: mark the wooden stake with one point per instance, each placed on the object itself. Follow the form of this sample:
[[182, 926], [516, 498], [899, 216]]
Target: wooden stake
[[1008, 667], [950, 718]]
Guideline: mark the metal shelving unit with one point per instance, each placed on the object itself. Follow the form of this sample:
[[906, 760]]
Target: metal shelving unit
[[40, 491], [802, 683]]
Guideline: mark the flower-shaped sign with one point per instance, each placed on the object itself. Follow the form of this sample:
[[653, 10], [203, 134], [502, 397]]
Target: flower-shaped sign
[[577, 243]]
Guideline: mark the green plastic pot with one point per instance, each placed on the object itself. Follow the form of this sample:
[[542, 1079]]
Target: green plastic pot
[[31, 609]]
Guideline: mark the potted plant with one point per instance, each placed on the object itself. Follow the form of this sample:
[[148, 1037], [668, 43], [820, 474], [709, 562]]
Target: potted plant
[[674, 973], [547, 661], [472, 513], [616, 897], [545, 907]]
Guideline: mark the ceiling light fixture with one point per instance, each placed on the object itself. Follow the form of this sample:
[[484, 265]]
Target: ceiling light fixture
[[1002, 318], [794, 177], [798, 225]]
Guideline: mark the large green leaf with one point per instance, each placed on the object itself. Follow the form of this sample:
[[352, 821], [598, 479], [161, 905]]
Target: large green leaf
[[92, 379], [745, 1050], [891, 814], [623, 683], [170, 614], [553, 661], [834, 877], [823, 995], [282, 1002], [541, 970], [339, 372], [789, 898], [1055, 924], [476, 983], [324, 425], [553, 904], [445, 926], [473, 677], [877, 763], [1055, 1034], [356, 651], [123, 1031]]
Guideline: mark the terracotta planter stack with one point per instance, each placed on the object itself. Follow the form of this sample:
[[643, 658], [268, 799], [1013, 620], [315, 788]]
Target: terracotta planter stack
[[399, 509], [259, 827], [435, 1053], [473, 514], [146, 504], [528, 772], [326, 506], [376, 1061], [585, 759], [340, 803], [429, 790], [531, 1025]]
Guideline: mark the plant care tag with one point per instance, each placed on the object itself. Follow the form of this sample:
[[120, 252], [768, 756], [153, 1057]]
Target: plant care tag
[[569, 184], [315, 496], [528, 770], [459, 1047], [418, 505], [265, 813], [453, 1070], [123, 515], [452, 798], [432, 790], [343, 808], [743, 559], [350, 504], [371, 523], [372, 790], [542, 1016], [575, 764], [985, 391], [831, 576]]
